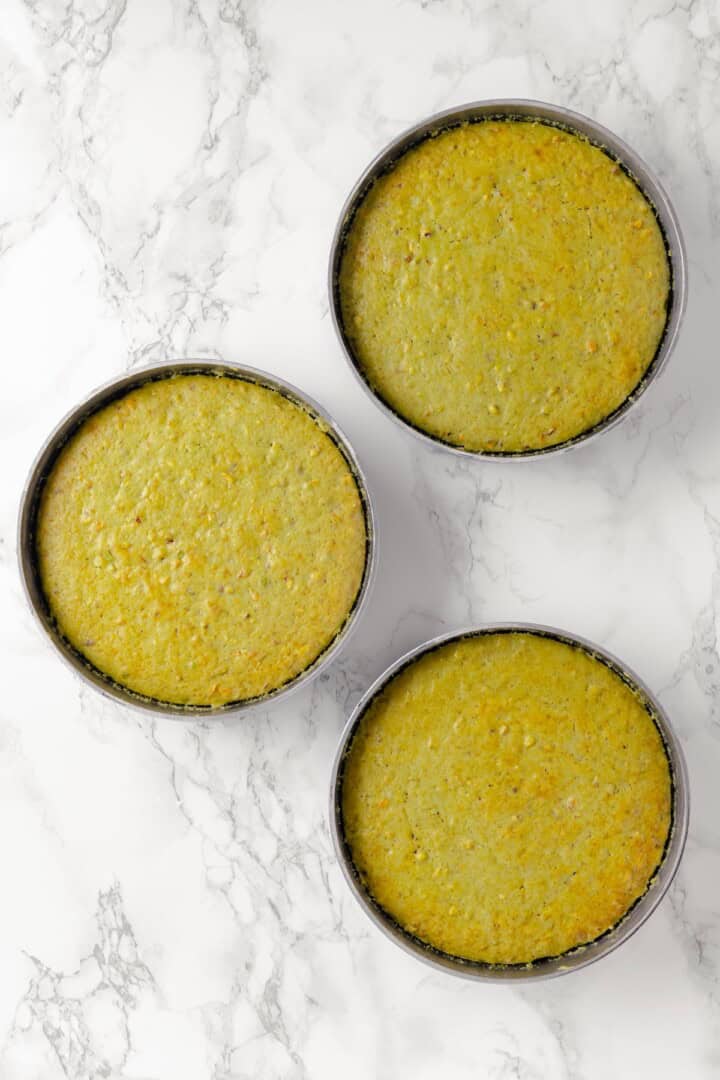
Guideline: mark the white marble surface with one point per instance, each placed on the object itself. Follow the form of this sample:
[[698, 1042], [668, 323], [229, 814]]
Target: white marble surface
[[171, 174]]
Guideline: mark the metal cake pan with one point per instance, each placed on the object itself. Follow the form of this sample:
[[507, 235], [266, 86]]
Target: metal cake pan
[[504, 108], [576, 958], [29, 571]]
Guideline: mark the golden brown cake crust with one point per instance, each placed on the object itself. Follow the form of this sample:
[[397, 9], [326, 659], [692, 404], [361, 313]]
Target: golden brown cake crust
[[504, 287], [506, 797], [202, 540]]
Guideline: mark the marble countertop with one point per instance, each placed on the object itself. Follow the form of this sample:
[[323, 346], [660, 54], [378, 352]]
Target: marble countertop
[[172, 173]]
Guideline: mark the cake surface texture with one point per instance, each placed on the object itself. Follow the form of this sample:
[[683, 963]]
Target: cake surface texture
[[504, 286], [201, 540], [506, 797]]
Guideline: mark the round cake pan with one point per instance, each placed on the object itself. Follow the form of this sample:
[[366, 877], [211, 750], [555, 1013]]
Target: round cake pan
[[29, 571], [557, 115], [583, 955]]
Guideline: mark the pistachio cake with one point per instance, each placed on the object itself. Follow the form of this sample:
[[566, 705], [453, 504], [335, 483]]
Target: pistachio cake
[[504, 286], [506, 797], [201, 540]]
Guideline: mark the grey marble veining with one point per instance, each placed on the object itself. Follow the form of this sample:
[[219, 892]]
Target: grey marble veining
[[172, 173]]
